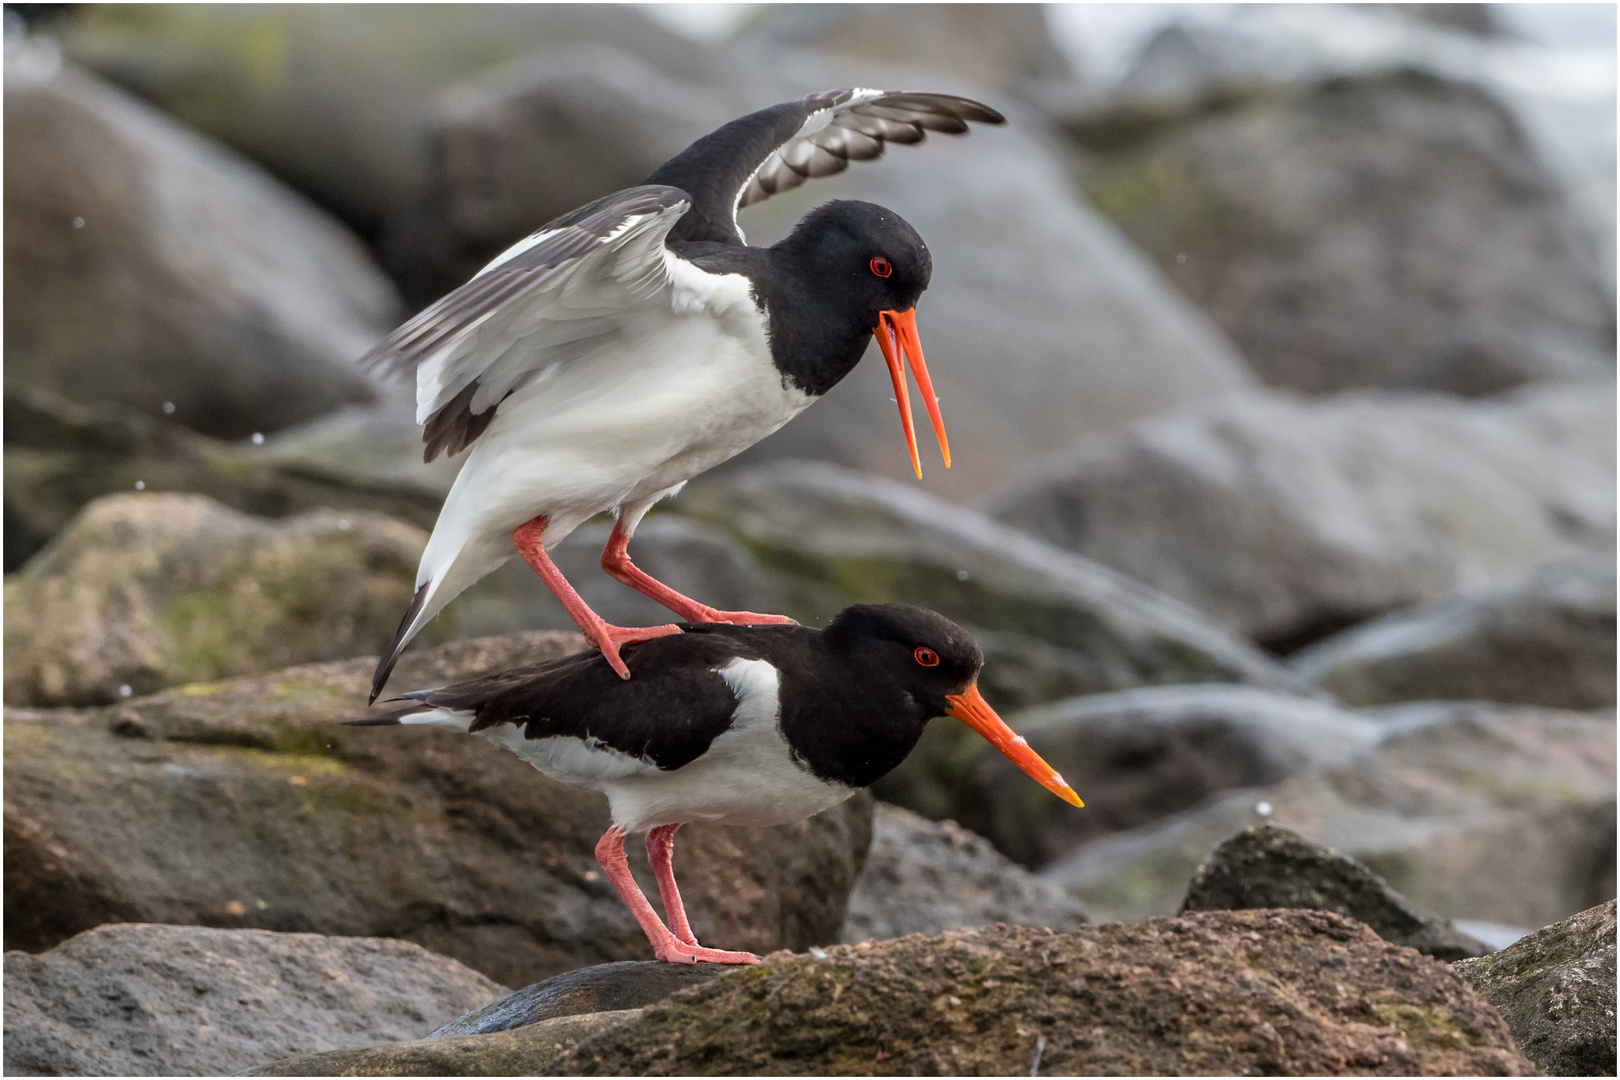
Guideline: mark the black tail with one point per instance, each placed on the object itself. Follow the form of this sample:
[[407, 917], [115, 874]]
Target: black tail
[[390, 656]]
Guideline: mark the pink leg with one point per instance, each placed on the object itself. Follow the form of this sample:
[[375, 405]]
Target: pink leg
[[661, 853], [604, 636], [666, 947], [616, 561]]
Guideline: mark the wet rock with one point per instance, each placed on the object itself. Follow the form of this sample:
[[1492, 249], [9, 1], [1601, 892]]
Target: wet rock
[[143, 1000], [1289, 520], [1237, 993], [1497, 813], [246, 804], [520, 1052], [628, 984], [60, 456], [1271, 867], [1450, 261], [926, 877], [1139, 756], [145, 591], [1547, 639], [1555, 989], [336, 100], [148, 266]]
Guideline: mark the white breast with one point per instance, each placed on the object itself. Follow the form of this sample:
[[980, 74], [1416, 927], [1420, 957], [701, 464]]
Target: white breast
[[747, 777]]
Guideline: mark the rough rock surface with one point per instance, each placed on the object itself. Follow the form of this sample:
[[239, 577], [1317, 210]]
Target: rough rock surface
[[1139, 756], [337, 100], [1545, 640], [1497, 813], [1289, 520], [524, 1051], [146, 591], [628, 984], [61, 455], [246, 804], [1393, 230], [1555, 989], [134, 999], [147, 266], [924, 877], [1271, 867], [1239, 993]]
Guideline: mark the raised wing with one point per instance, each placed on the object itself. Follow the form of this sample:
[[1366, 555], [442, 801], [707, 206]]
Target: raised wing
[[775, 149], [546, 300]]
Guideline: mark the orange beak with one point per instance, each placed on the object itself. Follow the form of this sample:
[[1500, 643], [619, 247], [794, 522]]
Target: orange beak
[[896, 333], [971, 708]]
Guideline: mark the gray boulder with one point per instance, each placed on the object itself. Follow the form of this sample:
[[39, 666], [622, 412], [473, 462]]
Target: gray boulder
[[135, 999], [61, 455], [1496, 813], [1555, 989], [337, 100], [1449, 262], [247, 804], [1545, 640], [926, 877], [145, 591], [148, 266], [1271, 867], [1139, 756], [1288, 520]]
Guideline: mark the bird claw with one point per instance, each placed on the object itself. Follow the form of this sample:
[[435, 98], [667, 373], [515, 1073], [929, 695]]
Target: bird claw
[[675, 952], [744, 618], [609, 638]]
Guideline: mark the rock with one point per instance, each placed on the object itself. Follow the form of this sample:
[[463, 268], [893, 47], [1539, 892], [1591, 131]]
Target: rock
[[60, 456], [628, 984], [1138, 756], [521, 1052], [1500, 813], [337, 101], [1392, 229], [1051, 625], [531, 141], [1271, 867], [145, 591], [139, 1000], [1236, 993], [1547, 639], [926, 877], [246, 804], [147, 266], [1289, 520], [1035, 305], [1000, 45], [1555, 989]]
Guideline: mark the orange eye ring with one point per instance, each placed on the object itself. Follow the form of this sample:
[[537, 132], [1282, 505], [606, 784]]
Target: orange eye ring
[[881, 266], [926, 657]]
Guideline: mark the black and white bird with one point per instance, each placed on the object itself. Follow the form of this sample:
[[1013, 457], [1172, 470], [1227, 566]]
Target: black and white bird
[[740, 725], [628, 346]]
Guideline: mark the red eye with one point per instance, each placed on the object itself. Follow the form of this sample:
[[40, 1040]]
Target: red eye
[[880, 267], [926, 657]]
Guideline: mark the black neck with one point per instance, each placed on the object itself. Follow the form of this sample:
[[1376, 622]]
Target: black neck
[[852, 731]]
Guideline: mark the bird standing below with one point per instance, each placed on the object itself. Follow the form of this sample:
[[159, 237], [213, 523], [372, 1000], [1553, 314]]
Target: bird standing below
[[740, 725], [628, 346]]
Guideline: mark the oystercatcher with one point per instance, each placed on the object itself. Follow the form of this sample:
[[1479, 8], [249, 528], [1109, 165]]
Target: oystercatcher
[[741, 725], [628, 346]]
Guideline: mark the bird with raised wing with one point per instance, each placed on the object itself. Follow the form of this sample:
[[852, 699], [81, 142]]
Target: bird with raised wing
[[628, 346], [739, 725]]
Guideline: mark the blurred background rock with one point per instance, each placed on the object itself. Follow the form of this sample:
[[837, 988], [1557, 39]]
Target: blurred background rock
[[1276, 345]]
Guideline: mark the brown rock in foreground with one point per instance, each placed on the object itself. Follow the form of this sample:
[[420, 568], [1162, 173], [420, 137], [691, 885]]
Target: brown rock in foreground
[[247, 804], [1271, 992]]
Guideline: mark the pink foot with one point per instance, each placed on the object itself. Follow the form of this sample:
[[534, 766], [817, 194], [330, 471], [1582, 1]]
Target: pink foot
[[678, 952], [739, 618], [608, 638]]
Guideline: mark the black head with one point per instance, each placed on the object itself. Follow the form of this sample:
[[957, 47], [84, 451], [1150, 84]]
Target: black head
[[920, 652], [860, 258]]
